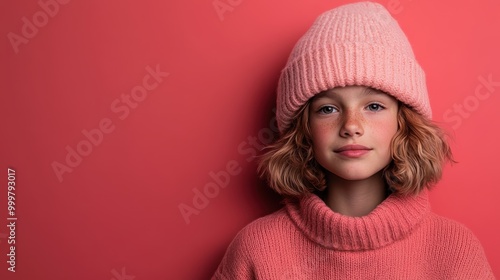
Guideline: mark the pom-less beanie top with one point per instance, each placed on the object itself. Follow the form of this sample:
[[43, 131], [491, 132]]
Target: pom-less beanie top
[[354, 44]]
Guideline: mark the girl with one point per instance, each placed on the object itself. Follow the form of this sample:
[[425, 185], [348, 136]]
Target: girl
[[356, 154]]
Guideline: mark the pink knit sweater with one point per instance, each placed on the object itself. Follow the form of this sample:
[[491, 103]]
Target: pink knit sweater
[[400, 239]]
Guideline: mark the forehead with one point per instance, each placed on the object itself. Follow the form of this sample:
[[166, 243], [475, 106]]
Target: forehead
[[356, 90]]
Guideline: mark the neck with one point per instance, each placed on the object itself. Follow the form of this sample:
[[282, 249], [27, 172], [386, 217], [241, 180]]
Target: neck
[[355, 198]]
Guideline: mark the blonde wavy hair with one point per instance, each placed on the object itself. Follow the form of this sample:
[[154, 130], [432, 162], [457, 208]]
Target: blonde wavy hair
[[418, 151]]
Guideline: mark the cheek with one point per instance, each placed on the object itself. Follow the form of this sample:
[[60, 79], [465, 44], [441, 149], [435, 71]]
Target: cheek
[[390, 130], [320, 133], [386, 130]]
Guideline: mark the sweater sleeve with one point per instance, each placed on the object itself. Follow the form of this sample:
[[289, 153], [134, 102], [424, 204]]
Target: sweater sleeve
[[236, 263]]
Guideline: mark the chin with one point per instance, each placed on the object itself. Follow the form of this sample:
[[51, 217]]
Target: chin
[[354, 174], [354, 177]]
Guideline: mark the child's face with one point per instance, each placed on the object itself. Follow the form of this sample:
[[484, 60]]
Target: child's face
[[352, 128]]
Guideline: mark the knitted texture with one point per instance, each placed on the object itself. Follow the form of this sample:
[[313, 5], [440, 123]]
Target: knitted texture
[[400, 239], [353, 44]]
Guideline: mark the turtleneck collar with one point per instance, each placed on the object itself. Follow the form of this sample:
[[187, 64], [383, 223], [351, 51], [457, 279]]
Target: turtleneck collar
[[390, 221]]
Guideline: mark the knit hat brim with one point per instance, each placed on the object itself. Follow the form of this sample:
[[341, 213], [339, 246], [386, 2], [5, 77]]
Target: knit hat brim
[[352, 64]]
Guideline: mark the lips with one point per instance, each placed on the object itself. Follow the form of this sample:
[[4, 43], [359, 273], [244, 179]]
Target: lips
[[352, 151]]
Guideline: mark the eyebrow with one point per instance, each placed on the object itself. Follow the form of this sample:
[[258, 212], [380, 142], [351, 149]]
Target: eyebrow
[[366, 91], [370, 90]]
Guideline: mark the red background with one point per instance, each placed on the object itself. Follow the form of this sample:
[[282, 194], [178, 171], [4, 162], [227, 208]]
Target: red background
[[116, 214]]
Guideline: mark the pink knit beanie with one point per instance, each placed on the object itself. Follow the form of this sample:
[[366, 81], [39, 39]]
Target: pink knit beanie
[[354, 44]]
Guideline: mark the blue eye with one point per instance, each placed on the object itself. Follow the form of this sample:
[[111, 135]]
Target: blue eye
[[326, 109], [375, 107]]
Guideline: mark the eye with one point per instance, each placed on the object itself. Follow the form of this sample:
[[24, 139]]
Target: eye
[[374, 107], [326, 109]]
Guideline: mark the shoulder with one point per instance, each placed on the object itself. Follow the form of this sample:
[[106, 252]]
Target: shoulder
[[263, 230], [450, 234], [253, 246], [265, 237], [460, 252], [450, 230]]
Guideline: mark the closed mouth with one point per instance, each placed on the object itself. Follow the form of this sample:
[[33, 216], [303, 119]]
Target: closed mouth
[[351, 148]]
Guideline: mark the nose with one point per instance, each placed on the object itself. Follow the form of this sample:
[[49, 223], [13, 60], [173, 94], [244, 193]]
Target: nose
[[352, 125]]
